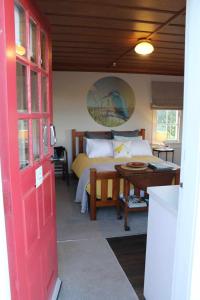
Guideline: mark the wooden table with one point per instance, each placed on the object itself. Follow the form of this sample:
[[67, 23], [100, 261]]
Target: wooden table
[[141, 179]]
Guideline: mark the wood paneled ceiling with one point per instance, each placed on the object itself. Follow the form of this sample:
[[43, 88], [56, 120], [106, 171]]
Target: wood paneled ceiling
[[99, 35]]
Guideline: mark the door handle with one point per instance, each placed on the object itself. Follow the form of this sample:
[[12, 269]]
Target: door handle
[[52, 135]]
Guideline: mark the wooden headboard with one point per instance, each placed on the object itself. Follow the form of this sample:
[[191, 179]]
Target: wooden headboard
[[77, 140]]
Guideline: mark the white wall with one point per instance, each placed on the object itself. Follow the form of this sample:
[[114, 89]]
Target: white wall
[[70, 108]]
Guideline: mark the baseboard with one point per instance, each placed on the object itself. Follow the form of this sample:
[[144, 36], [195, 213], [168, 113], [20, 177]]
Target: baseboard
[[56, 289]]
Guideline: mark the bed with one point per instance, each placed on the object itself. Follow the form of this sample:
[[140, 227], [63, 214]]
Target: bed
[[98, 178]]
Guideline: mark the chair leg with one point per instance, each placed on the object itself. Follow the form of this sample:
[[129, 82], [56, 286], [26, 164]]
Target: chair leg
[[65, 174], [93, 209], [63, 171]]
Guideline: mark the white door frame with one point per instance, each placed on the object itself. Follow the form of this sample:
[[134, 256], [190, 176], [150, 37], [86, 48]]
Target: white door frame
[[4, 270], [187, 251]]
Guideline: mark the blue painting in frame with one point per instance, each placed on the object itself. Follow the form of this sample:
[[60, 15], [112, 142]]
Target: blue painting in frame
[[111, 101]]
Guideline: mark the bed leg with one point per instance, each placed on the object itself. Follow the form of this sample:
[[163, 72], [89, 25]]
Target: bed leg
[[93, 194]]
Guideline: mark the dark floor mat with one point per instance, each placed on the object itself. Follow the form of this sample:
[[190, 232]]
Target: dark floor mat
[[130, 252]]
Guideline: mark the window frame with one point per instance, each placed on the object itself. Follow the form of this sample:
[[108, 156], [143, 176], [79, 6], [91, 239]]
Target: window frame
[[179, 122], [35, 66]]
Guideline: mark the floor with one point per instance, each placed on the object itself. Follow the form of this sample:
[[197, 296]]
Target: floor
[[69, 218], [88, 268], [130, 252]]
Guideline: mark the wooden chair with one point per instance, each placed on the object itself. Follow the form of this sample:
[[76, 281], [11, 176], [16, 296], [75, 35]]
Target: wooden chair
[[104, 199], [60, 161]]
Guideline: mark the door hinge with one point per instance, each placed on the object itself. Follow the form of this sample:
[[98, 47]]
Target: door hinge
[[181, 184]]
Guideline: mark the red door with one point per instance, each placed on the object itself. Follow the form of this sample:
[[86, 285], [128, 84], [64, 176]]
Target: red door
[[25, 149]]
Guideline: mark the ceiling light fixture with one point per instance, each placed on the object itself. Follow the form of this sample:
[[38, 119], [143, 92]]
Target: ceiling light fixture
[[144, 47]]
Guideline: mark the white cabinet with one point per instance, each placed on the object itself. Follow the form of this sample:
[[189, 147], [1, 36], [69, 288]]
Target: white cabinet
[[161, 236]]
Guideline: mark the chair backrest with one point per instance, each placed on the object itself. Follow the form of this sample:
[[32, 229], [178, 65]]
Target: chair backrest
[[59, 152]]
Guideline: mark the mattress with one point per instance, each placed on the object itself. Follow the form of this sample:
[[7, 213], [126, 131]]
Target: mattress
[[83, 162]]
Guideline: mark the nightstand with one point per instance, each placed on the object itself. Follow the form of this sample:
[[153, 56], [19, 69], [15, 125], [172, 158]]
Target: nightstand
[[165, 150]]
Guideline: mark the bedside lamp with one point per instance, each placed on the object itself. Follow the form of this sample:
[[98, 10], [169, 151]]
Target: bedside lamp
[[160, 137]]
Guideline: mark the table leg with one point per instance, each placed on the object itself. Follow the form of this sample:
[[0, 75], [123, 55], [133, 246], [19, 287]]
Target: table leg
[[173, 156], [126, 195], [126, 227], [119, 216]]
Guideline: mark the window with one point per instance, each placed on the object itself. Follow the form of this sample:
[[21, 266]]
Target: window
[[20, 30], [167, 125], [45, 136], [33, 33], [44, 93], [34, 92], [22, 105], [36, 138], [23, 143], [43, 50]]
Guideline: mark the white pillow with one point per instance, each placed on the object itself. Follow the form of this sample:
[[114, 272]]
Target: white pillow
[[140, 147], [127, 138], [99, 148], [122, 149]]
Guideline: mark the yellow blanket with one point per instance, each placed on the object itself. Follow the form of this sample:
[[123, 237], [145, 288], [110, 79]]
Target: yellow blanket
[[83, 162]]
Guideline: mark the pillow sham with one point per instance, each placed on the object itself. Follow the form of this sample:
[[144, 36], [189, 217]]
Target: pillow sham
[[122, 149], [140, 148], [125, 133], [127, 138], [99, 148], [107, 135]]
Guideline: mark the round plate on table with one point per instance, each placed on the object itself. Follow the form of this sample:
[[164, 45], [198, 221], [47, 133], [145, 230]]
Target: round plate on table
[[136, 165]]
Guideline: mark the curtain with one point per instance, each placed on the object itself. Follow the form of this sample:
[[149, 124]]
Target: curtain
[[167, 95]]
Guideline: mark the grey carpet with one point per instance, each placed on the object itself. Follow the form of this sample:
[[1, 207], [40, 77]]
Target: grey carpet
[[88, 267], [90, 271], [70, 220]]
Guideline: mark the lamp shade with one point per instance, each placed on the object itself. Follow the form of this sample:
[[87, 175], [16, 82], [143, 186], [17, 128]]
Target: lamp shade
[[161, 136], [144, 47], [20, 50]]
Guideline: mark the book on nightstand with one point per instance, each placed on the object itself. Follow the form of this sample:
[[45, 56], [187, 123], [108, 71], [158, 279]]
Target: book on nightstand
[[160, 166]]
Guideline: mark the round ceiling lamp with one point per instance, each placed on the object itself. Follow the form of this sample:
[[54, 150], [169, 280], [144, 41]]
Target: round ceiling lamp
[[144, 47]]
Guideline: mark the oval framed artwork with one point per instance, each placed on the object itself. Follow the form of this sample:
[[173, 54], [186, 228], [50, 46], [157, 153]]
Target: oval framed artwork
[[110, 101]]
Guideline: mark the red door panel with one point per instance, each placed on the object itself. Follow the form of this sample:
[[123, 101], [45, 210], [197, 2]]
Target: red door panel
[[30, 220], [40, 209], [25, 118], [35, 280], [49, 270], [48, 199]]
